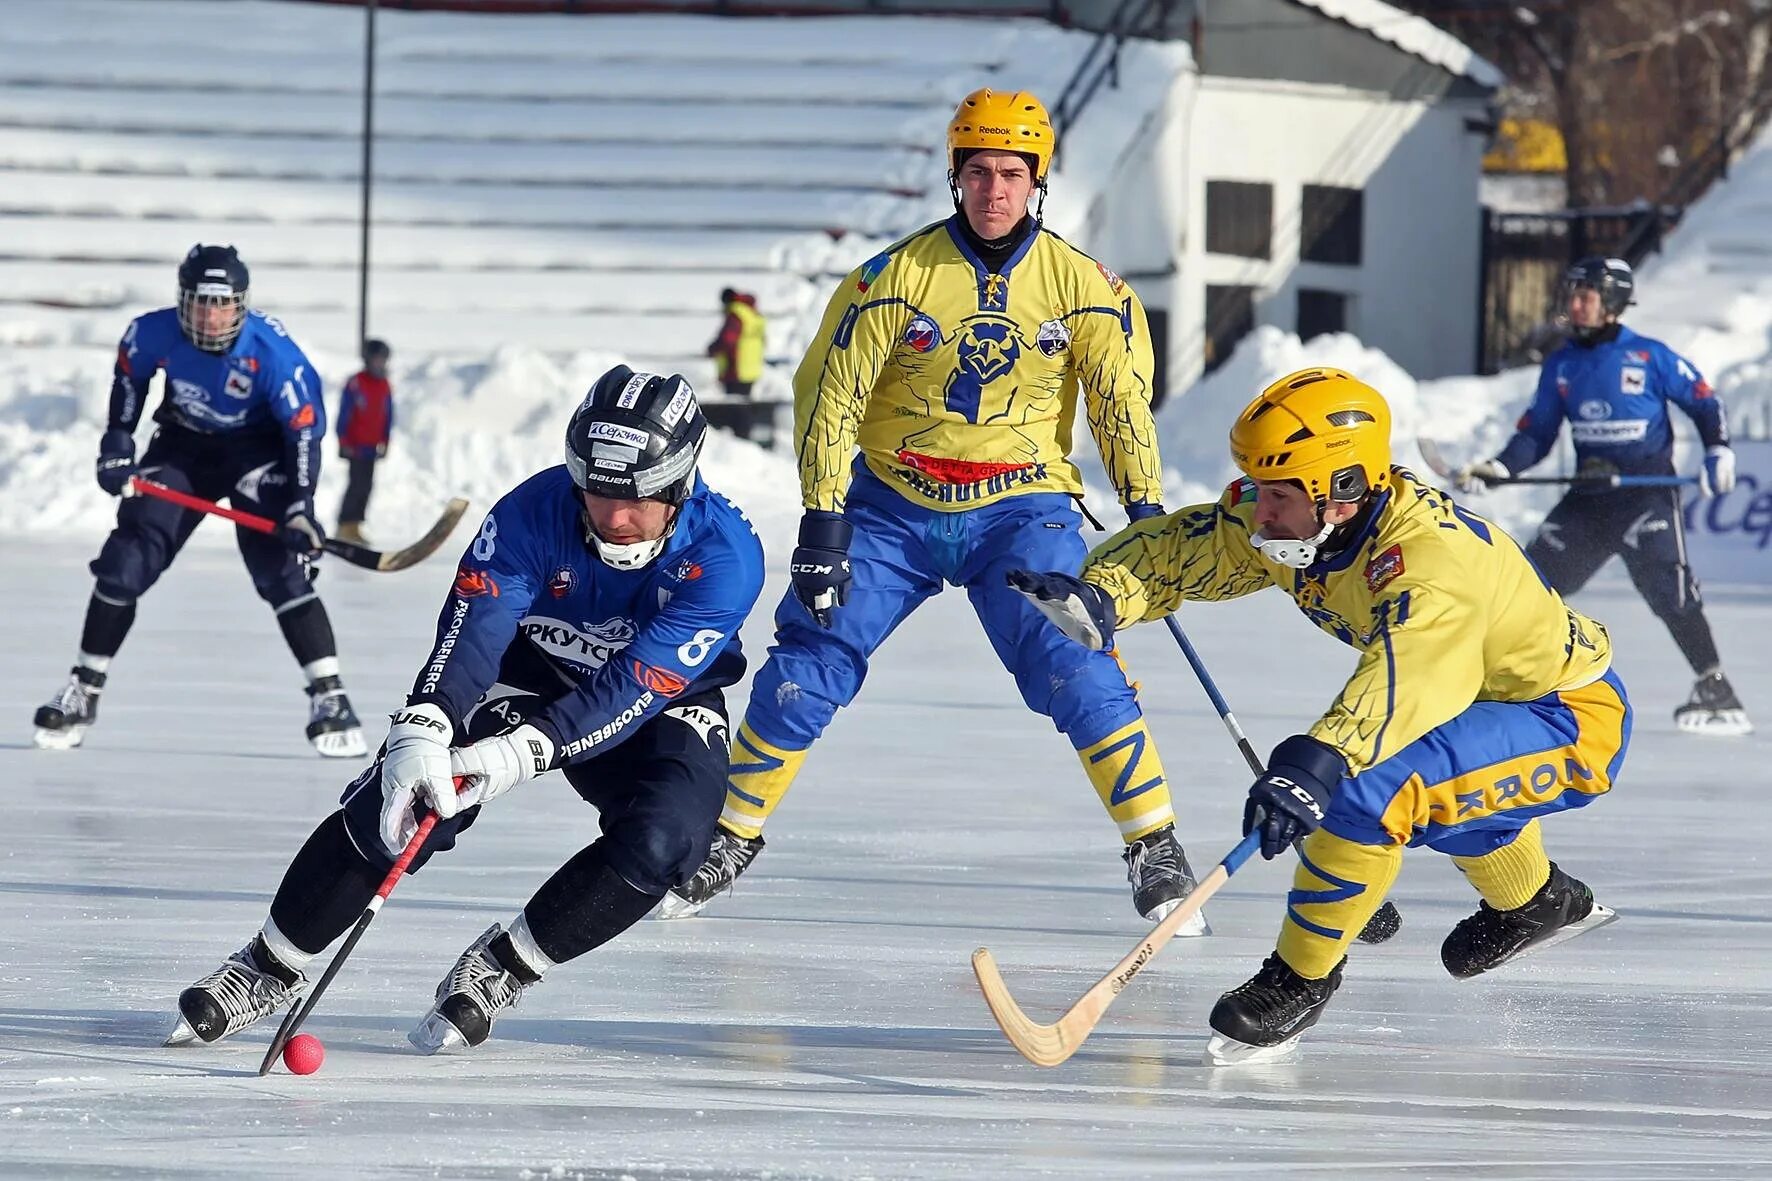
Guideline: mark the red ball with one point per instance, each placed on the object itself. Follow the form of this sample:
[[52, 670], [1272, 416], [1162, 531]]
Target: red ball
[[303, 1054]]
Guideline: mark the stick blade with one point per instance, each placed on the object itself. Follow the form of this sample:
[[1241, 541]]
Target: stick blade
[[1043, 1045], [412, 555], [1434, 458]]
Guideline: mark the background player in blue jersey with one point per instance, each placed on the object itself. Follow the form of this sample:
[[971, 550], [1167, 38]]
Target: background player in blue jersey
[[1614, 387], [592, 626], [240, 420]]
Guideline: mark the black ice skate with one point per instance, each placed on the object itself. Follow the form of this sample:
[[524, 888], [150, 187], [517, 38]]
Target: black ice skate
[[728, 856], [61, 723], [1563, 908], [1261, 1021], [1714, 709], [474, 993], [333, 727], [1161, 878], [248, 987]]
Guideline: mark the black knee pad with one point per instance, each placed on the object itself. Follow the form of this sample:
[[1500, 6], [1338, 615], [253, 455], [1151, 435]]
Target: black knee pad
[[658, 854]]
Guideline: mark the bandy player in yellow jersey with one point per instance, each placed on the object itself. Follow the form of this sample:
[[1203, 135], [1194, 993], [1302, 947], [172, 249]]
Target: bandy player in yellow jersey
[[1480, 701], [955, 361]]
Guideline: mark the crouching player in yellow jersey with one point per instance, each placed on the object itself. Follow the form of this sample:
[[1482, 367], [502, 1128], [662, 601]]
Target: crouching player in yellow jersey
[[955, 361], [1480, 702]]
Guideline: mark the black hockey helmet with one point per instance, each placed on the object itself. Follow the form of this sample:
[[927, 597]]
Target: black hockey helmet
[[636, 436], [374, 349], [1611, 277], [212, 276]]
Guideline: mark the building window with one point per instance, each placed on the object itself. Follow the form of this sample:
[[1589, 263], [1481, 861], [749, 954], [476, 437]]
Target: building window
[[1320, 312], [1230, 316], [1240, 218], [1330, 225], [1158, 321]]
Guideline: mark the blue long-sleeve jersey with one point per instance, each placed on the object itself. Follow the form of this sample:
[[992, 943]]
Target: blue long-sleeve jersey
[[1615, 395], [605, 649], [261, 386]]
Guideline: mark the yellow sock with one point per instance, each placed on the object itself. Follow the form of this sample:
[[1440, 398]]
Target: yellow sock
[[1508, 877], [1337, 888], [757, 778], [1128, 776]]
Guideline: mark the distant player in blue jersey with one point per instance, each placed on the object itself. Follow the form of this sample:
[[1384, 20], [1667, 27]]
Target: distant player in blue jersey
[[1614, 387], [592, 627], [240, 420]]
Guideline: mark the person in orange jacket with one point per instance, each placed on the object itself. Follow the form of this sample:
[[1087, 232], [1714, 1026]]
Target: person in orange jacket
[[365, 420]]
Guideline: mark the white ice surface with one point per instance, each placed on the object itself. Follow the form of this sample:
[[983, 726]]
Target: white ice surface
[[822, 1021]]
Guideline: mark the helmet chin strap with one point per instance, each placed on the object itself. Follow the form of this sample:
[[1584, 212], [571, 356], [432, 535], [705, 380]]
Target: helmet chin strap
[[1296, 553], [633, 554]]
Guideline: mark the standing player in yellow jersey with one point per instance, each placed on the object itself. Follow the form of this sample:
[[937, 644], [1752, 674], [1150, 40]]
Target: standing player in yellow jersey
[[955, 361], [1480, 701]]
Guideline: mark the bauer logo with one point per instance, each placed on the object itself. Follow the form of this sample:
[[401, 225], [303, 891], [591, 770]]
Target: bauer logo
[[614, 432]]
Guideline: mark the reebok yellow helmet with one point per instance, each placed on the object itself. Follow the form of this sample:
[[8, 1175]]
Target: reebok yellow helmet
[[1005, 121], [1325, 428]]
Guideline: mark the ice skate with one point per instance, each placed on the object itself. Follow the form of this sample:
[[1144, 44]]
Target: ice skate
[[240, 993], [62, 722], [469, 999], [1563, 908], [1714, 709], [728, 857], [1161, 878], [333, 727], [1262, 1020]]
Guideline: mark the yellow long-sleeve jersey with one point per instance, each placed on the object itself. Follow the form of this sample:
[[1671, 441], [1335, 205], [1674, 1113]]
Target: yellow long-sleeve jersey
[[1442, 606], [960, 384]]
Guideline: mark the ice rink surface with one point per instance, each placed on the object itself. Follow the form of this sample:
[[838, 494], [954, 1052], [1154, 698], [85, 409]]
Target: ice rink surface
[[823, 1020]]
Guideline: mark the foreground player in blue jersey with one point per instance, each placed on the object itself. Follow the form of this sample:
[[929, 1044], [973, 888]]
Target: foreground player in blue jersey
[[1614, 386], [240, 420], [592, 627]]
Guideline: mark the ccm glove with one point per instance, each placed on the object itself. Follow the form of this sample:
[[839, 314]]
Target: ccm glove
[[820, 567], [1474, 476], [116, 461], [1714, 479], [1291, 798], [493, 766], [414, 770], [301, 530], [1079, 610]]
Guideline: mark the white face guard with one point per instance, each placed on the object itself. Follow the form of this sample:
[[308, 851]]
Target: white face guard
[[1286, 551], [631, 556]]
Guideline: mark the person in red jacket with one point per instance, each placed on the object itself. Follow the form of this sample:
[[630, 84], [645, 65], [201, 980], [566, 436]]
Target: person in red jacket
[[365, 418]]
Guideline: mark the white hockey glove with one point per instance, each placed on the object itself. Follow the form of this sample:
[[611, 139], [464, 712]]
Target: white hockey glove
[[415, 769], [1078, 609], [493, 766], [1475, 476], [1717, 476]]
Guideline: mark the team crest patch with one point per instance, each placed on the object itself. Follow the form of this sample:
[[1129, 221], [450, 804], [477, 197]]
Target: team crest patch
[[871, 271], [1053, 338], [1114, 281], [238, 385], [1640, 356], [561, 582], [661, 681], [473, 583], [922, 334], [1633, 379], [1384, 568], [304, 418], [686, 571], [1240, 491]]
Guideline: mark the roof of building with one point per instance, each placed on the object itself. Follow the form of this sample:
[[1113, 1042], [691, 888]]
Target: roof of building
[[1411, 34]]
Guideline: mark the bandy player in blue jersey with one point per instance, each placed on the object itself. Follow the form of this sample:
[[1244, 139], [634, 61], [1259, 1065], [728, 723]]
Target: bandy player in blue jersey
[[240, 420], [1614, 386], [592, 627]]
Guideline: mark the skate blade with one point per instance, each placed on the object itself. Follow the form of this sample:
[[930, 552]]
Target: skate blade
[[1195, 928], [182, 1034], [341, 744], [674, 906], [1716, 723], [59, 739], [435, 1035], [1228, 1051]]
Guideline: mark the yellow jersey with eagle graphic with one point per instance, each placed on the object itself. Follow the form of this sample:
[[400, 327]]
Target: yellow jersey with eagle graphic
[[960, 383], [1442, 606]]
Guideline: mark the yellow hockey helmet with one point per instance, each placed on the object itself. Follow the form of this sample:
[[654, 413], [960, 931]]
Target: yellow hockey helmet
[[1325, 428], [1003, 121]]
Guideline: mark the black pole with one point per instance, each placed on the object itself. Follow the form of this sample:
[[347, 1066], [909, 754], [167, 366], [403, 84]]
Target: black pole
[[368, 169]]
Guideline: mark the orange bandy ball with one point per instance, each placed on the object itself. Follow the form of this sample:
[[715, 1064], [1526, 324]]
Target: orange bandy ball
[[304, 1054]]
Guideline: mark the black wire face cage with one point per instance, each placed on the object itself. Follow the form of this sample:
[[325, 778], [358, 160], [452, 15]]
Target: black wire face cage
[[193, 302]]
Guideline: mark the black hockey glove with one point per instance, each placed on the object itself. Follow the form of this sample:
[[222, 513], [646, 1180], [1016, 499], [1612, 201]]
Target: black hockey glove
[[301, 529], [820, 566], [1079, 610], [1290, 800], [116, 461]]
